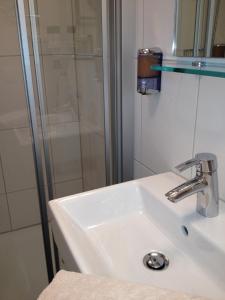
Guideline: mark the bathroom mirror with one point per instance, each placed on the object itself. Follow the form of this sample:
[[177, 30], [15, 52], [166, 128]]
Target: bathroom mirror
[[200, 28]]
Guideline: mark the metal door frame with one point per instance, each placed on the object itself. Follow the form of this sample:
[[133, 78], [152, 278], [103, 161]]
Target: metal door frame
[[112, 70], [39, 172]]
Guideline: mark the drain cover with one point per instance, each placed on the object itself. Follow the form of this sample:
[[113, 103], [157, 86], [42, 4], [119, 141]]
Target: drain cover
[[155, 260]]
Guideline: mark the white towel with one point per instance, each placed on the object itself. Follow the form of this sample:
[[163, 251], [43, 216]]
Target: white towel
[[76, 286]]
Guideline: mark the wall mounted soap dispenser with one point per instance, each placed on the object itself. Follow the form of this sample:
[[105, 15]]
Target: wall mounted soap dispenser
[[148, 81]]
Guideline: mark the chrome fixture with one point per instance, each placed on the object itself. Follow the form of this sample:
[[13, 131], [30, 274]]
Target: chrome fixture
[[205, 184], [155, 260], [199, 64]]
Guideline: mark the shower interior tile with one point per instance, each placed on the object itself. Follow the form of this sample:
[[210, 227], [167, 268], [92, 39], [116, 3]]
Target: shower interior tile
[[22, 263], [68, 188], [56, 26], [61, 92], [13, 113], [93, 158], [88, 34], [17, 159], [65, 149], [4, 215], [90, 92], [8, 28], [24, 208]]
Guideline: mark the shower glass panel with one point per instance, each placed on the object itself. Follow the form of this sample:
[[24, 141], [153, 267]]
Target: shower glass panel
[[69, 43], [66, 56]]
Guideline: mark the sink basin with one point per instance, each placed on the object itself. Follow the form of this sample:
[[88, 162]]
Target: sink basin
[[109, 231]]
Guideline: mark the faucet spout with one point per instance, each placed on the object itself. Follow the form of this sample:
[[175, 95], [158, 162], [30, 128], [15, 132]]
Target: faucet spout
[[186, 189]]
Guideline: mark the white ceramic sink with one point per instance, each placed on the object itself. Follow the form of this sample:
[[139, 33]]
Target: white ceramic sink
[[108, 231]]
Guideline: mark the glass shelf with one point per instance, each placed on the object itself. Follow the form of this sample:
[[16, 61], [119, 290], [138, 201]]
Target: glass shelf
[[213, 70]]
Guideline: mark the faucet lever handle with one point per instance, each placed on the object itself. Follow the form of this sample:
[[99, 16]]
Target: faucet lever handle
[[208, 162], [187, 164], [205, 162]]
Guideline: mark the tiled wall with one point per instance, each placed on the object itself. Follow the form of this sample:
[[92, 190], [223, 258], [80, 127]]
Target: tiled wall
[[187, 116], [71, 53], [19, 205]]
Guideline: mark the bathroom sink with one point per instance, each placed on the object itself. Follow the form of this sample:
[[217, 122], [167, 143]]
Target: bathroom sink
[[110, 230]]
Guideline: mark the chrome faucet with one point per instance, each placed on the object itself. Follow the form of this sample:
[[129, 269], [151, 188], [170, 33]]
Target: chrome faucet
[[205, 184]]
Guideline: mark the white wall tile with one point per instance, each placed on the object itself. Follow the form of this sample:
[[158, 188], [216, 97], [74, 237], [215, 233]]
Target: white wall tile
[[4, 215], [141, 171], [8, 28], [168, 122], [90, 91], [130, 22], [139, 25], [56, 26], [61, 91], [13, 113], [210, 129], [65, 148], [68, 188], [17, 159], [24, 208], [159, 19], [22, 263]]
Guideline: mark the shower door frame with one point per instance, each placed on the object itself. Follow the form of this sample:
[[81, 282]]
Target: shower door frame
[[111, 33]]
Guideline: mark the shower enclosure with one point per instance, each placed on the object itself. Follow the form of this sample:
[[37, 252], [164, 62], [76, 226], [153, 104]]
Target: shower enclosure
[[59, 108]]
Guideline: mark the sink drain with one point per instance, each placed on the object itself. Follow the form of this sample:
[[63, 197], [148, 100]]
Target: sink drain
[[155, 261]]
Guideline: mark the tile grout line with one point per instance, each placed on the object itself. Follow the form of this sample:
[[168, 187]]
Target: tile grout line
[[196, 118], [145, 166], [27, 127], [4, 182], [21, 228]]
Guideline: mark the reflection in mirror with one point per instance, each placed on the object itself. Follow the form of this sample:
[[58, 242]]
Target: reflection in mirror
[[200, 28], [218, 49]]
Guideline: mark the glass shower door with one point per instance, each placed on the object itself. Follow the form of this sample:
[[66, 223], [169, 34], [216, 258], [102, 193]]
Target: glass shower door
[[62, 65], [69, 43], [66, 44]]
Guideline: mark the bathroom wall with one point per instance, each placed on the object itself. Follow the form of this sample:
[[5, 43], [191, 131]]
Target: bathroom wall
[[187, 116]]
